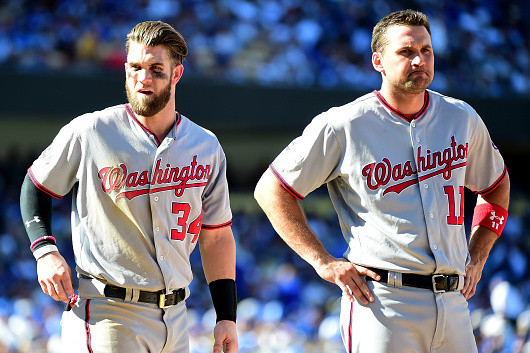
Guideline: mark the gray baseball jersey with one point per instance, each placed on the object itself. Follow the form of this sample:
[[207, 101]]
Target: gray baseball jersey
[[138, 203], [396, 182]]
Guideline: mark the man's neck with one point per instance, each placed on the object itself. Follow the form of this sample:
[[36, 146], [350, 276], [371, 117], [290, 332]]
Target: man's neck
[[161, 123], [406, 103]]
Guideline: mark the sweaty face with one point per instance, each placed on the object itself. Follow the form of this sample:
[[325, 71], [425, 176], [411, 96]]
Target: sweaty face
[[408, 59], [148, 79]]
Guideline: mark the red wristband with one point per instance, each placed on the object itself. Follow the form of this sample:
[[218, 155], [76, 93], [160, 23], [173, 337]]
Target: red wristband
[[490, 216]]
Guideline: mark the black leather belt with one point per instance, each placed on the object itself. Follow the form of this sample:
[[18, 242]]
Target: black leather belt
[[160, 298], [436, 283]]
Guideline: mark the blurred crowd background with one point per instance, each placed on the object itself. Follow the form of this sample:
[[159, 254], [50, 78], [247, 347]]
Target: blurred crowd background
[[482, 50], [482, 47]]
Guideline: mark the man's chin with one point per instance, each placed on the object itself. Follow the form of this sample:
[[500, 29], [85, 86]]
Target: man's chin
[[143, 110], [417, 87], [148, 105]]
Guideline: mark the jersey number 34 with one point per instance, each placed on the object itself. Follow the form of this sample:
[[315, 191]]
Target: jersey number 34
[[182, 210]]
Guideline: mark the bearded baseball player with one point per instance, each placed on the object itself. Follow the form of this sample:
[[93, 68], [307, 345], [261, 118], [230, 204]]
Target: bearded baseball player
[[148, 185], [396, 162]]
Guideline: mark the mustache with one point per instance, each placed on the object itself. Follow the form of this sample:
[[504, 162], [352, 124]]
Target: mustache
[[420, 70]]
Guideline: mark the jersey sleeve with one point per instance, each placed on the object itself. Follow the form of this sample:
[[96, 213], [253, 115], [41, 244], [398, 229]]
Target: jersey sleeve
[[216, 201], [310, 160], [55, 170], [485, 165]]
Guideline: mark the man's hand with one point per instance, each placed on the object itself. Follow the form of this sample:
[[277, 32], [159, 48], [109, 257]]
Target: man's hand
[[471, 279], [55, 276], [288, 219], [225, 336], [348, 277]]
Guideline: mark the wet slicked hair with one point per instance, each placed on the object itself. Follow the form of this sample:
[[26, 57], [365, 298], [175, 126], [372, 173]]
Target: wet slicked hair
[[152, 33], [398, 18]]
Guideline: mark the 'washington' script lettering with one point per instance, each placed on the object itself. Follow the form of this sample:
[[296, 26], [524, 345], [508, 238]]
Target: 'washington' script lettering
[[117, 178], [380, 174]]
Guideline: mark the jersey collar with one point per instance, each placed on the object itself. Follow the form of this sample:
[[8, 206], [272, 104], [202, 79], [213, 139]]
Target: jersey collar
[[178, 119], [407, 117]]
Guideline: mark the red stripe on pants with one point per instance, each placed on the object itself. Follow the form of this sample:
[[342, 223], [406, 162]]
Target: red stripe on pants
[[87, 326]]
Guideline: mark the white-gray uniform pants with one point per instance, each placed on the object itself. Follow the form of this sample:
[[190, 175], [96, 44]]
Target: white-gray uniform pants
[[407, 320], [100, 325]]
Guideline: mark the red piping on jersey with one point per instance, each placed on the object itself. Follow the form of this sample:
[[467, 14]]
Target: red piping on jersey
[[285, 185], [206, 226], [47, 237], [407, 117], [146, 129], [42, 188], [129, 110], [87, 327], [495, 184], [177, 123]]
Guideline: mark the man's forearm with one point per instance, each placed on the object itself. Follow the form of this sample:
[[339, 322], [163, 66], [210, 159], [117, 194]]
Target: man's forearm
[[288, 219], [480, 244], [218, 253]]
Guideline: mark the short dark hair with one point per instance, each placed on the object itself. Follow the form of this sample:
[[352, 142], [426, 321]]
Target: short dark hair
[[398, 18], [152, 33]]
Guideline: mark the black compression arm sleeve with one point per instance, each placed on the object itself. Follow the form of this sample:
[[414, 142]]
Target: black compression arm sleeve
[[36, 211], [224, 298]]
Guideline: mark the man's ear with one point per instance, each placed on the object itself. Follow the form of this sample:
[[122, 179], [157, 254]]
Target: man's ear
[[177, 74], [377, 62]]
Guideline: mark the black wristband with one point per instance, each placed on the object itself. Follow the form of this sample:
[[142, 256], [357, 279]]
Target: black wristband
[[224, 298]]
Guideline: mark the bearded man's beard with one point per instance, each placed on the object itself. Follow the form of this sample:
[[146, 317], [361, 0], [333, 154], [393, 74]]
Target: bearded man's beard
[[150, 105]]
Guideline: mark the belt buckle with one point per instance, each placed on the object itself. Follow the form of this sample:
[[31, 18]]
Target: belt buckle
[[434, 288], [173, 298], [453, 282], [162, 301]]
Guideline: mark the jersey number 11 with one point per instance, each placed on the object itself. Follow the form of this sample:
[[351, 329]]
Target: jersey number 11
[[451, 197]]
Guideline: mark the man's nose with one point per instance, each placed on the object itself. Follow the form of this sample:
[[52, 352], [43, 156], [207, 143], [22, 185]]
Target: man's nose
[[144, 75], [418, 60]]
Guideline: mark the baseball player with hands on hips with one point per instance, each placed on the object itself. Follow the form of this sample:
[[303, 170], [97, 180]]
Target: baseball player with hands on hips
[[396, 162], [148, 185]]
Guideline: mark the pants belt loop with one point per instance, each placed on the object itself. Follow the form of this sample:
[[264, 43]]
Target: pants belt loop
[[460, 283], [128, 295], [135, 295], [395, 279]]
